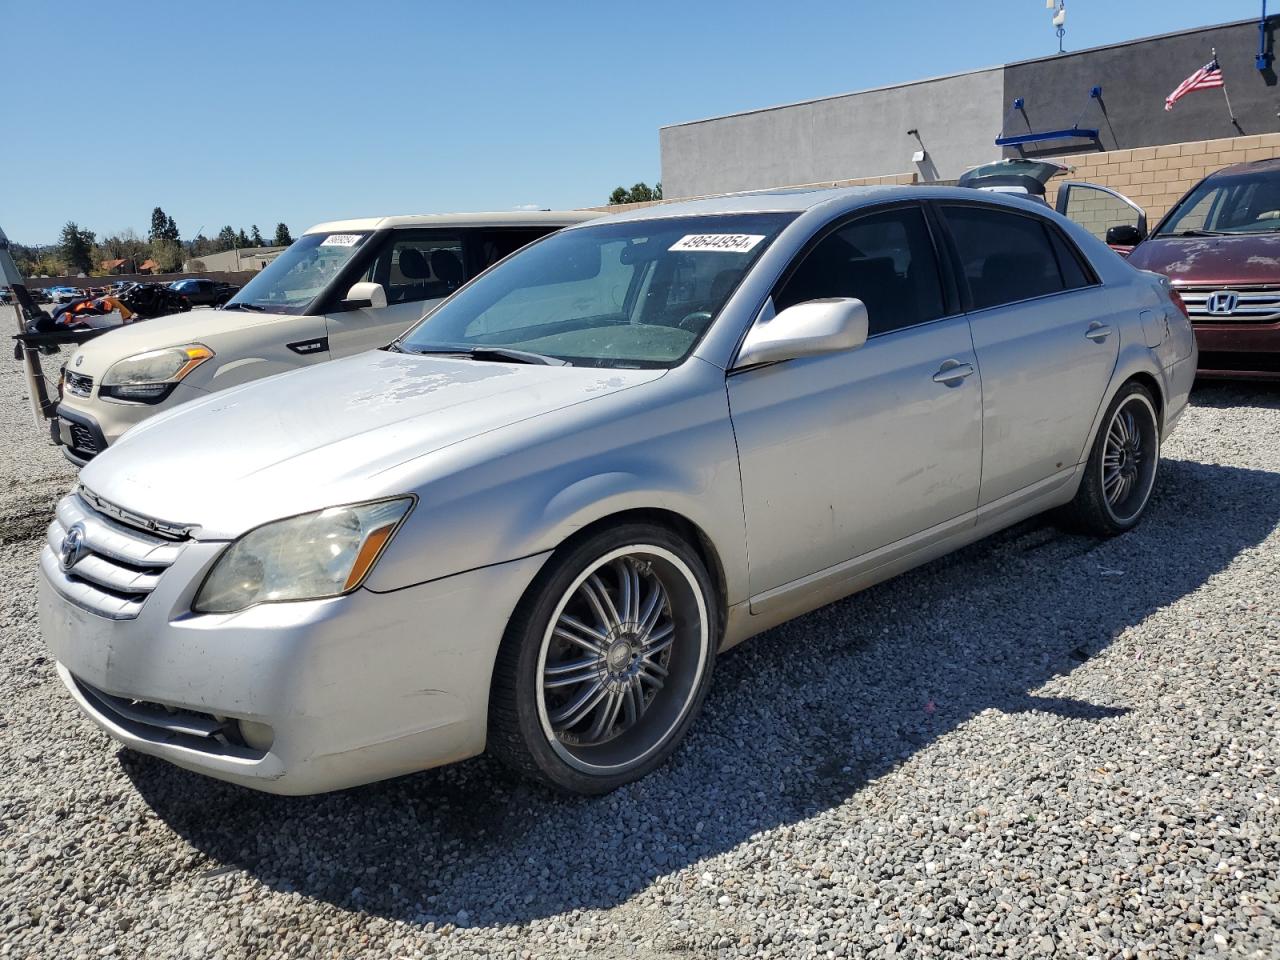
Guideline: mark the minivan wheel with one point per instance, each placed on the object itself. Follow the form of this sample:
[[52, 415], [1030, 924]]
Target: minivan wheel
[[1122, 466], [606, 661]]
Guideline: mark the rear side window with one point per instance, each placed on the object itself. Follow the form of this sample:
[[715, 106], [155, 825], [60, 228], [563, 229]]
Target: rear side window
[[493, 245], [1006, 257], [886, 260], [1070, 261]]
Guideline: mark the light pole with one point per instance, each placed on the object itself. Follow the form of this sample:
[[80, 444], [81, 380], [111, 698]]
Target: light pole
[[1059, 8]]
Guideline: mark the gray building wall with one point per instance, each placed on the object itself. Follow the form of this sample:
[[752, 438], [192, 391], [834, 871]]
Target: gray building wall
[[863, 135], [1135, 78], [838, 138]]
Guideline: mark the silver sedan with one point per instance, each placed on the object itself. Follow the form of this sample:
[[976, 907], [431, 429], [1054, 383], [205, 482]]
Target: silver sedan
[[531, 523]]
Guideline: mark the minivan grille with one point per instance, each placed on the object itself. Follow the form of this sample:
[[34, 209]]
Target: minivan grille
[[114, 566], [1239, 304]]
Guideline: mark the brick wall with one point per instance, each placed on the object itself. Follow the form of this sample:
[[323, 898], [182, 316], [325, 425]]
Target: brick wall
[[1155, 177]]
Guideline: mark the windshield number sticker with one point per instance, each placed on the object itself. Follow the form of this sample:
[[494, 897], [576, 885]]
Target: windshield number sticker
[[716, 242], [340, 240]]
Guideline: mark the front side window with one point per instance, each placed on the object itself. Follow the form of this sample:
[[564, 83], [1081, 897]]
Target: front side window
[[632, 294], [886, 260], [419, 266], [1006, 257], [293, 280], [1227, 205]]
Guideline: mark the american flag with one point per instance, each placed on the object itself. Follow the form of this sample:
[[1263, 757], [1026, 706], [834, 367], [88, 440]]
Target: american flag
[[1207, 77]]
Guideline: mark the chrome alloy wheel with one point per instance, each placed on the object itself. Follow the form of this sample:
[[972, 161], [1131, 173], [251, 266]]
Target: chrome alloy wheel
[[622, 658], [1130, 458]]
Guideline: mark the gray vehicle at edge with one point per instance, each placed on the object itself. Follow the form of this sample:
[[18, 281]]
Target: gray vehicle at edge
[[530, 525]]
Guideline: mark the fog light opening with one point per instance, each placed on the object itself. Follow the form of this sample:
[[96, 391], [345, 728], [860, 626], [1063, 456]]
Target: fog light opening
[[259, 736]]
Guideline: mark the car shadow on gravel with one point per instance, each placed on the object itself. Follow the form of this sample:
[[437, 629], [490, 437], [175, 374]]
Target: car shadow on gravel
[[799, 720]]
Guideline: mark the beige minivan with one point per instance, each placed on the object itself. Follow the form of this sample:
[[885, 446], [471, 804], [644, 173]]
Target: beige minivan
[[341, 288]]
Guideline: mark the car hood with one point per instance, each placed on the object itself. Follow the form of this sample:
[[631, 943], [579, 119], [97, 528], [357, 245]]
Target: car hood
[[1211, 260], [325, 435], [95, 356]]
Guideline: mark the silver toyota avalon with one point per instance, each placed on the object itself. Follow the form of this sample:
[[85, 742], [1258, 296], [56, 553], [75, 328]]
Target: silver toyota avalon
[[530, 524]]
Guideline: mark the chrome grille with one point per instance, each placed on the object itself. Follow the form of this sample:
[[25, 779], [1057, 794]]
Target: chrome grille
[[1242, 303], [116, 566], [77, 384]]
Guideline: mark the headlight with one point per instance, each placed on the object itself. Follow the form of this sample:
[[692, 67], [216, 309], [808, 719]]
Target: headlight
[[316, 555], [150, 377]]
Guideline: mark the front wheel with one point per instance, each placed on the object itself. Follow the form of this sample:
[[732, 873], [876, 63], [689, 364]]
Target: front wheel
[[606, 661], [1122, 466]]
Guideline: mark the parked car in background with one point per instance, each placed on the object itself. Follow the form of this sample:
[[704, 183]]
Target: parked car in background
[[525, 525], [1016, 176], [63, 294], [1220, 245], [203, 292], [340, 289]]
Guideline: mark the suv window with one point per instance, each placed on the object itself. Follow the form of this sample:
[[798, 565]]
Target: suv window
[[1005, 256], [886, 260], [493, 245], [415, 266]]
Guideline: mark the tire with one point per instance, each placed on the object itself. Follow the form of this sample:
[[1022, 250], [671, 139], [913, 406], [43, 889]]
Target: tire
[[587, 709], [1122, 468]]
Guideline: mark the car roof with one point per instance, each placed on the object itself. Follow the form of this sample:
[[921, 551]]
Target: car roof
[[508, 218], [1271, 165], [835, 199]]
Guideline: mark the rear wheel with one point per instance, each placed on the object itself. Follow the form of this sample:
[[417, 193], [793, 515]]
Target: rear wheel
[[1122, 466], [606, 661]]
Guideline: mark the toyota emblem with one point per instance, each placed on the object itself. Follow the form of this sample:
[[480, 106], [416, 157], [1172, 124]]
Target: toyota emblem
[[1222, 303], [72, 547]]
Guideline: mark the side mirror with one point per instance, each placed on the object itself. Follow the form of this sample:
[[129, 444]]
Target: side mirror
[[806, 330], [364, 294], [1125, 235]]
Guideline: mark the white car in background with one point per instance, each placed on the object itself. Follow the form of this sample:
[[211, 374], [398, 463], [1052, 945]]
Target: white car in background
[[341, 288]]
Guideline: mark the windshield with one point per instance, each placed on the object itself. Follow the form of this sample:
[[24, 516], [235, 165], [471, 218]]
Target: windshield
[[295, 278], [1227, 205], [632, 294]]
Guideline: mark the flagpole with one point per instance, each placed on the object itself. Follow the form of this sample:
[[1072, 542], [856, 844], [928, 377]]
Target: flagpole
[[1230, 112]]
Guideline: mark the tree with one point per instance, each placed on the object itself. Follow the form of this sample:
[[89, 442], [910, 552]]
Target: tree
[[640, 193], [75, 247], [226, 239], [202, 246], [242, 240], [255, 237], [162, 227], [283, 238], [167, 255]]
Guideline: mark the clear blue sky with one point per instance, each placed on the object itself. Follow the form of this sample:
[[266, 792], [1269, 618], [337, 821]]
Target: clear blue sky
[[265, 111]]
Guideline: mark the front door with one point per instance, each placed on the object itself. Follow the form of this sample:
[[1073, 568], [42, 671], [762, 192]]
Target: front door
[[417, 269], [847, 453]]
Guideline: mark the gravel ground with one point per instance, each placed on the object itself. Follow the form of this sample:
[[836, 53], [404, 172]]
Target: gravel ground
[[1042, 745]]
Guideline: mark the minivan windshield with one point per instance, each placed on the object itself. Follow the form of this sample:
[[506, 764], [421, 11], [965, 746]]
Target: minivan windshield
[[1232, 205], [292, 281], [638, 293]]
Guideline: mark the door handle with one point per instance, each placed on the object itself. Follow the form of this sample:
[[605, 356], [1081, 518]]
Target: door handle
[[1097, 332], [952, 372]]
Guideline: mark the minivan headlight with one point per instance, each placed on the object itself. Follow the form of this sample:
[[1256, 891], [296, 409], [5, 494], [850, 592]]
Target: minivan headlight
[[150, 377], [309, 557]]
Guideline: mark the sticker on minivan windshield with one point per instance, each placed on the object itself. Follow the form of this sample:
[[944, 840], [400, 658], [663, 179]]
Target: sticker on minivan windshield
[[340, 240], [717, 242]]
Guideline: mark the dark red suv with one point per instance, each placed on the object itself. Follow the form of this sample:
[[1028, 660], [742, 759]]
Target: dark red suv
[[1220, 245]]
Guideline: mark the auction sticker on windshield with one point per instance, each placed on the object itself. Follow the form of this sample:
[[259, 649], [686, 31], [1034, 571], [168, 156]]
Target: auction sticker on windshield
[[717, 242], [341, 240]]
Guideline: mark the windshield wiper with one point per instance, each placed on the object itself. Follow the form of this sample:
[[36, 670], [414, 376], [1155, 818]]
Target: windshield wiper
[[244, 306], [1200, 233], [484, 353]]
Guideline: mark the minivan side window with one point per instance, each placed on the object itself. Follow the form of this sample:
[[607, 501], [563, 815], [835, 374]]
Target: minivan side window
[[886, 260], [1005, 256]]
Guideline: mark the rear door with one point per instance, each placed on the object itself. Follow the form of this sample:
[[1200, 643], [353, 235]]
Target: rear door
[[1045, 346]]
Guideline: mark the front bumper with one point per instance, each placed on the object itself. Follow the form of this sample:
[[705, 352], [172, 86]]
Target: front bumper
[[334, 693], [1246, 350]]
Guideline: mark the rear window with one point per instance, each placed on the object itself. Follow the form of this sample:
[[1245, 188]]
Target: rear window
[[1005, 257]]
